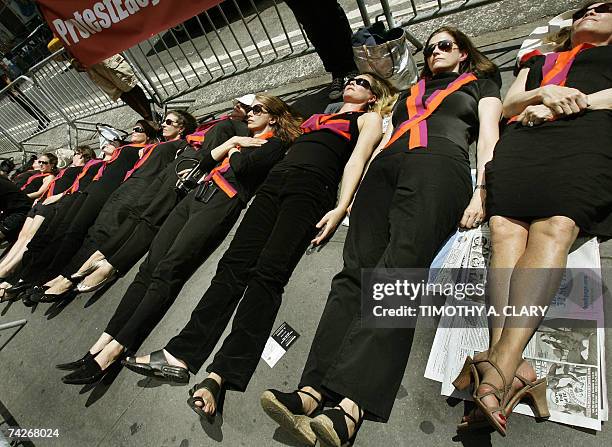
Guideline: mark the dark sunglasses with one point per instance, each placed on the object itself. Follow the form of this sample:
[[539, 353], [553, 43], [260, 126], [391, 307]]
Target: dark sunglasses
[[443, 45], [243, 106], [42, 162], [360, 82], [139, 129], [169, 122], [258, 109], [601, 9]]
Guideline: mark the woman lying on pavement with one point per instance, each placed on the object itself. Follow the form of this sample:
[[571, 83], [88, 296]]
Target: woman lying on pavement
[[67, 228], [194, 229], [415, 193], [44, 208], [290, 208], [126, 246]]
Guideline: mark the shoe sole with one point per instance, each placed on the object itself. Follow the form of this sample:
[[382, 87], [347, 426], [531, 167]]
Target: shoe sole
[[96, 287], [296, 425], [323, 428], [149, 372]]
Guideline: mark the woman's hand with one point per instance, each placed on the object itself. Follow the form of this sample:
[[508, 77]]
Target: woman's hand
[[52, 199], [533, 115], [328, 225], [237, 142], [475, 211], [563, 100]]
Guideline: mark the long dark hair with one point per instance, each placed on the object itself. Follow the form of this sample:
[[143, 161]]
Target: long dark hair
[[475, 62], [186, 120], [287, 125]]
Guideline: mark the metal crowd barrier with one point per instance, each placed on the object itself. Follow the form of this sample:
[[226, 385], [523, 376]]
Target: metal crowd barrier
[[219, 43]]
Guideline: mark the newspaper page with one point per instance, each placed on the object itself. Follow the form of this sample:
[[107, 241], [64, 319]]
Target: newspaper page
[[570, 357]]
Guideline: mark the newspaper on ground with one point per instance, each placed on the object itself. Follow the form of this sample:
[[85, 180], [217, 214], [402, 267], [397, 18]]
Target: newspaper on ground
[[569, 355]]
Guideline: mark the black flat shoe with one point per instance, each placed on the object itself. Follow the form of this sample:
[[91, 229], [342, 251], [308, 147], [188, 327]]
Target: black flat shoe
[[89, 372], [331, 429], [19, 287], [71, 366], [158, 367], [213, 388], [44, 297], [287, 411]]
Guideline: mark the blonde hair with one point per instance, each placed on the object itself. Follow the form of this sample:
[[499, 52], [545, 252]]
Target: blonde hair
[[385, 93]]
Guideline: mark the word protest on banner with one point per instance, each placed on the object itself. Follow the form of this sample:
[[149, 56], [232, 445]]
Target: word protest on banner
[[95, 30]]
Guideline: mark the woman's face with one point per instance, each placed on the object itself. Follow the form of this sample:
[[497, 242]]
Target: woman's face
[[77, 159], [258, 117], [108, 150], [171, 129], [359, 89], [592, 26], [43, 164], [445, 54], [138, 135]]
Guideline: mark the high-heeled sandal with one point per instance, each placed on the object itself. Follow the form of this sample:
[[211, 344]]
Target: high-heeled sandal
[[213, 387], [331, 429], [287, 410], [534, 391]]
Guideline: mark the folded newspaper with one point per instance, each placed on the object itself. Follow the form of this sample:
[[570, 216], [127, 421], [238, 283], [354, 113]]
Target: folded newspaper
[[572, 358]]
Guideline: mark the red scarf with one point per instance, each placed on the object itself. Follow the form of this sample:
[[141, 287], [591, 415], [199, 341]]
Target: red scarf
[[32, 177], [88, 165]]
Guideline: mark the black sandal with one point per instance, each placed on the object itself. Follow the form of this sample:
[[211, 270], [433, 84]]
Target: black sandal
[[158, 367], [331, 429], [213, 387], [287, 411]]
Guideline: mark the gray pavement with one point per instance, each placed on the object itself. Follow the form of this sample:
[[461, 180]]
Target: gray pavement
[[130, 410]]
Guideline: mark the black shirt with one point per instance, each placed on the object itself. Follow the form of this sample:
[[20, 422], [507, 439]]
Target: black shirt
[[250, 166], [162, 155], [114, 172], [323, 151], [61, 184], [454, 125], [11, 198]]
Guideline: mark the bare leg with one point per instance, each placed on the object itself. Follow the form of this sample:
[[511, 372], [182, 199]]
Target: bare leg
[[104, 340], [58, 285], [104, 271], [109, 354], [534, 282], [15, 254], [96, 257]]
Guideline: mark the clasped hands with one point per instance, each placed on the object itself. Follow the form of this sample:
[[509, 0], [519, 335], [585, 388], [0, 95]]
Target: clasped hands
[[556, 101]]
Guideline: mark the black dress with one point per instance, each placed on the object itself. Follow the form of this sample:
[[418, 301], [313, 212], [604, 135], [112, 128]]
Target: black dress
[[562, 167], [408, 203], [14, 204]]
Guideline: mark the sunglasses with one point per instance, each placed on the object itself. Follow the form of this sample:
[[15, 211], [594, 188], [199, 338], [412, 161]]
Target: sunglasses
[[169, 122], [42, 162], [360, 82], [258, 109], [243, 106], [443, 45], [601, 9], [139, 129]]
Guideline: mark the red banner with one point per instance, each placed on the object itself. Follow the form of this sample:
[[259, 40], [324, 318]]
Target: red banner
[[95, 30]]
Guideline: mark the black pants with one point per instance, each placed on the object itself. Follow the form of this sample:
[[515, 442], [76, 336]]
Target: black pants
[[274, 234], [329, 31], [10, 224], [124, 203], [187, 237], [64, 237], [406, 206], [132, 239]]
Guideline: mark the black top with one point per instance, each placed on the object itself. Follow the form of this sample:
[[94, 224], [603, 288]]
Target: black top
[[86, 180], [66, 180], [35, 184], [162, 155], [114, 172], [11, 198], [454, 125], [323, 151], [250, 166], [22, 178]]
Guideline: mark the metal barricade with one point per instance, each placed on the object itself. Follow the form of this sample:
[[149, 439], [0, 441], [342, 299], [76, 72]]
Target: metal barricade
[[221, 42]]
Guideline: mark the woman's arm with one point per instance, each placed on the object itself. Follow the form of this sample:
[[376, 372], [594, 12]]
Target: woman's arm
[[370, 129], [217, 154], [53, 199], [601, 100], [45, 184], [561, 100], [489, 114]]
